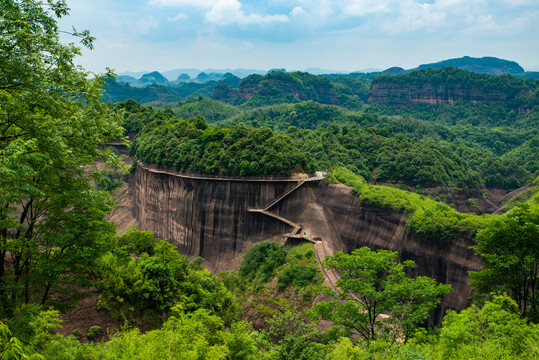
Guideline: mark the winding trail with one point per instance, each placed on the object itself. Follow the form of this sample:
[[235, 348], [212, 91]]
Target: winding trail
[[319, 245]]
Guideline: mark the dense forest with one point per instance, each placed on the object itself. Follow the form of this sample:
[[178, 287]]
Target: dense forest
[[239, 150], [462, 146], [57, 246]]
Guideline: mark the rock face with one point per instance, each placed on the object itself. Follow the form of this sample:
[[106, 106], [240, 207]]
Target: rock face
[[403, 94], [360, 225], [204, 218], [209, 218]]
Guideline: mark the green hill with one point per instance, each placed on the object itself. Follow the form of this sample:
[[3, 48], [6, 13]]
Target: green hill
[[487, 65]]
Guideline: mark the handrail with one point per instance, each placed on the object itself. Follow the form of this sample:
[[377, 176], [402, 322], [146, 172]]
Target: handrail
[[284, 195], [225, 178]]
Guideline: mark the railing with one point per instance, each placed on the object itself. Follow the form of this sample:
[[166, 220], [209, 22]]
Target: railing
[[172, 172]]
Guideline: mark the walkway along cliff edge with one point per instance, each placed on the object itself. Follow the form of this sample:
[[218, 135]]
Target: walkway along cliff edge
[[219, 218]]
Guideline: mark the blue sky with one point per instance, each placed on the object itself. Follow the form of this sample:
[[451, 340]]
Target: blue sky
[[349, 35]]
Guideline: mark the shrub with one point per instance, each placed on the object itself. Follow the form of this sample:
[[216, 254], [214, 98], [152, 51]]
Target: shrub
[[261, 261], [94, 333], [77, 333]]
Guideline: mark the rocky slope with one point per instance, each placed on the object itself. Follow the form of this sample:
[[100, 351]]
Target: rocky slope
[[399, 94], [452, 85], [209, 218]]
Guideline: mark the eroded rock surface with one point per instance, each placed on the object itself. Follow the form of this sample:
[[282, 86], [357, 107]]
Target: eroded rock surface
[[209, 218]]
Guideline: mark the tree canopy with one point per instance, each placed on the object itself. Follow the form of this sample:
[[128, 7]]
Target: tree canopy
[[373, 284], [510, 249], [192, 145], [51, 123]]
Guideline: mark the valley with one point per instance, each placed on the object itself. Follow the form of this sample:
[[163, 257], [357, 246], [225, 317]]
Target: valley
[[262, 214]]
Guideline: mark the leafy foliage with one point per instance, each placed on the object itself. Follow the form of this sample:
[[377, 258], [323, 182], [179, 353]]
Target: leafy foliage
[[493, 331], [192, 145], [12, 348], [293, 338], [261, 261], [197, 335], [143, 278], [372, 283], [109, 181], [511, 258], [52, 120]]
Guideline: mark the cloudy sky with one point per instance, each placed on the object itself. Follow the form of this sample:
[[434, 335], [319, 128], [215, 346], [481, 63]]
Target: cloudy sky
[[350, 35]]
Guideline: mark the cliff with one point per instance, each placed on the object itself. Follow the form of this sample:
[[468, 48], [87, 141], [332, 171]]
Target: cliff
[[399, 94], [359, 225], [451, 85], [210, 218]]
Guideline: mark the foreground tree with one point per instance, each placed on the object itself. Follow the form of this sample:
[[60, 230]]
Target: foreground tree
[[51, 123], [510, 250], [374, 297]]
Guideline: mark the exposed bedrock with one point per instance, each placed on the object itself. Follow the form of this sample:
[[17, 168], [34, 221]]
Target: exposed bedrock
[[360, 225], [206, 218], [209, 218]]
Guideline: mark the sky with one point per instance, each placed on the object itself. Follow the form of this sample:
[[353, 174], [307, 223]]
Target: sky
[[340, 35]]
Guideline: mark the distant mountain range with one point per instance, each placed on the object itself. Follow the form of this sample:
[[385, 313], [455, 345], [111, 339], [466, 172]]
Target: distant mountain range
[[234, 86], [215, 74], [487, 65]]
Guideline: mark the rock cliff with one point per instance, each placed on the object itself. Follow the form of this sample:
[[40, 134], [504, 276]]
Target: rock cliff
[[403, 94], [209, 218]]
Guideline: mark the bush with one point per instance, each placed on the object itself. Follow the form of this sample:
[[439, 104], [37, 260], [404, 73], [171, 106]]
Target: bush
[[77, 333], [94, 333], [298, 276], [261, 261]]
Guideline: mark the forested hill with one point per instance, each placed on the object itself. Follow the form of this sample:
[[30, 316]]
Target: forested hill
[[351, 91], [280, 87], [378, 147], [488, 65], [116, 91], [452, 85], [192, 145], [276, 87]]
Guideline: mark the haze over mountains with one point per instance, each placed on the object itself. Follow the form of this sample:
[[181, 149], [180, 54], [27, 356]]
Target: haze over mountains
[[487, 65]]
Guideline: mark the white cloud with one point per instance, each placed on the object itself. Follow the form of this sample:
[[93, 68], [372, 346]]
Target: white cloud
[[179, 17], [178, 3], [517, 3], [297, 11], [415, 16], [366, 7], [227, 12], [145, 24]]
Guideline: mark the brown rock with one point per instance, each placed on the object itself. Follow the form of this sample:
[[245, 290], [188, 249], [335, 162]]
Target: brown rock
[[209, 218]]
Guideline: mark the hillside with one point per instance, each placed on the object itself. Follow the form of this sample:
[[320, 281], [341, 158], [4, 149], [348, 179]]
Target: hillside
[[486, 65], [463, 146], [452, 85], [296, 222], [433, 84]]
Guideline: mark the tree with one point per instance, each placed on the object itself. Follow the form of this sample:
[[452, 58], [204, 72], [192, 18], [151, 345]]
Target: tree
[[51, 123], [374, 296], [493, 331], [509, 247]]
